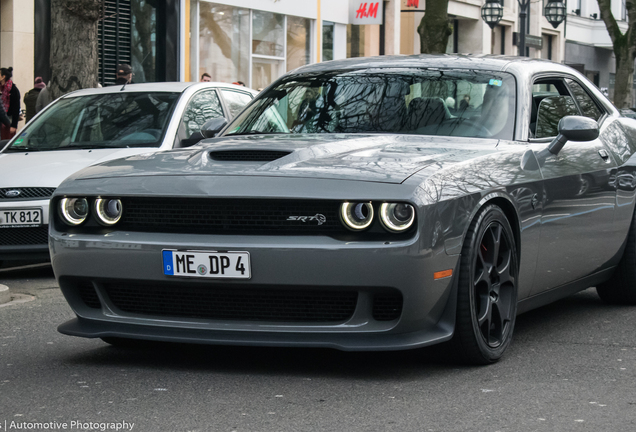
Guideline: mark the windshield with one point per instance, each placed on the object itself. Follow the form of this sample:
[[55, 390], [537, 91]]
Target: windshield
[[405, 101], [113, 120]]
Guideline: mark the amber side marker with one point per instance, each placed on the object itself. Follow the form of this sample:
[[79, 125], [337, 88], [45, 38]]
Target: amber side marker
[[443, 274]]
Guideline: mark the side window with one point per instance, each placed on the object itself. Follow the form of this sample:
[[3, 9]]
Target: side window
[[235, 101], [203, 106], [551, 101], [588, 106]]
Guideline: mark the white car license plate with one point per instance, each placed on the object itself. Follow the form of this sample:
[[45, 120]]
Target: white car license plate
[[22, 218], [207, 264]]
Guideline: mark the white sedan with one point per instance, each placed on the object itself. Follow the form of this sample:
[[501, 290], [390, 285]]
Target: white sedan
[[91, 126]]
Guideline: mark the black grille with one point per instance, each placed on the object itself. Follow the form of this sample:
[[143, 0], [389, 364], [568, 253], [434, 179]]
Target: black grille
[[248, 155], [24, 236], [89, 296], [230, 216], [387, 307], [26, 193], [233, 303]]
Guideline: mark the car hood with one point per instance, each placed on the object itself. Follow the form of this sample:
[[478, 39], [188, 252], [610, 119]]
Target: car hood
[[49, 168], [379, 158]]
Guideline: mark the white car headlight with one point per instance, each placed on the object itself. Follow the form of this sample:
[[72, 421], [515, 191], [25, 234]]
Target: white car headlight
[[73, 211], [397, 217], [108, 210], [356, 216]]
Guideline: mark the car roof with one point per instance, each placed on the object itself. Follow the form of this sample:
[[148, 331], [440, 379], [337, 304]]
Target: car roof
[[168, 87], [521, 65]]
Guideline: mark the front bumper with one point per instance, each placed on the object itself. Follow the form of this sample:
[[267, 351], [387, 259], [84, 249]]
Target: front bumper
[[279, 263]]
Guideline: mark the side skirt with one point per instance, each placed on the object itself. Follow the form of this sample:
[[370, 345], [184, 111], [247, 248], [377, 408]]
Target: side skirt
[[562, 291]]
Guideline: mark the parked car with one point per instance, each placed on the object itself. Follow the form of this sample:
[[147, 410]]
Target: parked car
[[92, 126], [346, 207]]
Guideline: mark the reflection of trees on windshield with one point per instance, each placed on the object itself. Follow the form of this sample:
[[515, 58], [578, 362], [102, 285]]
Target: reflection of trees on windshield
[[417, 102], [108, 120]]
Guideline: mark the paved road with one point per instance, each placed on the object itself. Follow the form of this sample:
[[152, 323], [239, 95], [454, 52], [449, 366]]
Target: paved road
[[572, 367]]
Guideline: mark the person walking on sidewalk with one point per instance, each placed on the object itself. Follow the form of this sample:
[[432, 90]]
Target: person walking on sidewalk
[[31, 97], [10, 98]]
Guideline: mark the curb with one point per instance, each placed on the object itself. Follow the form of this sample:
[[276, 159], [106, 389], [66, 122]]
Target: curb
[[5, 295]]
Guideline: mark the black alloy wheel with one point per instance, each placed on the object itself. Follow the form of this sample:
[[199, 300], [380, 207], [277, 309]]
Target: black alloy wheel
[[487, 296]]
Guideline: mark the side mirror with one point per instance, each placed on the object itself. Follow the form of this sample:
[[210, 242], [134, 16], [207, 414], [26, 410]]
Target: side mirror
[[213, 126], [574, 128]]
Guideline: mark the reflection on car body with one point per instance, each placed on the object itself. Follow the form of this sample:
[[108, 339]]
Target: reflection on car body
[[348, 206]]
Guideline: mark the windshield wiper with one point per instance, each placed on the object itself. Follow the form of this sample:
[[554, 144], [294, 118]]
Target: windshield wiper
[[253, 133], [24, 149]]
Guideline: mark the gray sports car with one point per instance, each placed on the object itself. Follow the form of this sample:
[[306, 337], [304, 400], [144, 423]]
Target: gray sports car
[[366, 204]]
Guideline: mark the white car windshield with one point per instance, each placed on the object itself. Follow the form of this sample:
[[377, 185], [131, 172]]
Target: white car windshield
[[112, 120], [405, 101]]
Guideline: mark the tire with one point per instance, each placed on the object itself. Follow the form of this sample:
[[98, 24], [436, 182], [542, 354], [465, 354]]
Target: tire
[[487, 289], [621, 288]]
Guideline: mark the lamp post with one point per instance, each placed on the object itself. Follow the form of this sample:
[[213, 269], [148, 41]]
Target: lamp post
[[492, 12]]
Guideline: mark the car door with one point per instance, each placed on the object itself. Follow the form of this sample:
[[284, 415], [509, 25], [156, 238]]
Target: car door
[[202, 106], [579, 203]]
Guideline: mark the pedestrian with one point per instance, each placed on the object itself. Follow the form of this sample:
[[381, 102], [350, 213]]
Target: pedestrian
[[44, 98], [206, 77], [124, 74], [10, 98], [31, 98], [241, 83]]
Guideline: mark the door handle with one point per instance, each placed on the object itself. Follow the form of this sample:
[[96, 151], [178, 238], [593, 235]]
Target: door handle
[[603, 154]]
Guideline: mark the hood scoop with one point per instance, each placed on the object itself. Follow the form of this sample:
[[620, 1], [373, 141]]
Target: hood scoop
[[248, 155]]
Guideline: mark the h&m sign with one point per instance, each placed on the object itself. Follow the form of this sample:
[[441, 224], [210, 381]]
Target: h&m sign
[[365, 12]]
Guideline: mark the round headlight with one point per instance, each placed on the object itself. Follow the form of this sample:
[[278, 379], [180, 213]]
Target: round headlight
[[356, 216], [108, 210], [397, 217], [74, 210]]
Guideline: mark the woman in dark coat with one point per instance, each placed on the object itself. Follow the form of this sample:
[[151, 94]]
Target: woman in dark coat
[[10, 98]]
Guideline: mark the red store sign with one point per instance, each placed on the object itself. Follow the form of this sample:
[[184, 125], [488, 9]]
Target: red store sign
[[365, 12]]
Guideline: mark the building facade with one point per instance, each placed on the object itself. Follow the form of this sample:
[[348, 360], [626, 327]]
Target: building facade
[[256, 41], [588, 44]]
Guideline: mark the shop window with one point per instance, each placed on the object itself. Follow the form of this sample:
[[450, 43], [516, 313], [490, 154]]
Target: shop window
[[355, 40], [223, 43], [144, 40], [328, 29], [298, 42], [268, 33]]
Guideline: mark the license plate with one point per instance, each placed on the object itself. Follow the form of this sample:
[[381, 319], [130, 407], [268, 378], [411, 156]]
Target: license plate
[[12, 218], [207, 264]]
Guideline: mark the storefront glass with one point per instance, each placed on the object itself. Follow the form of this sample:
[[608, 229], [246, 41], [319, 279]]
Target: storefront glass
[[252, 46], [268, 33], [355, 40], [224, 42], [143, 49], [298, 39], [327, 40]]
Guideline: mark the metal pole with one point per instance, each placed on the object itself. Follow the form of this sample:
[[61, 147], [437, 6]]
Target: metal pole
[[523, 14]]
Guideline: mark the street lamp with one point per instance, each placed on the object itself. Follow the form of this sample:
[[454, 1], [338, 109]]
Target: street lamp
[[492, 12], [555, 12]]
